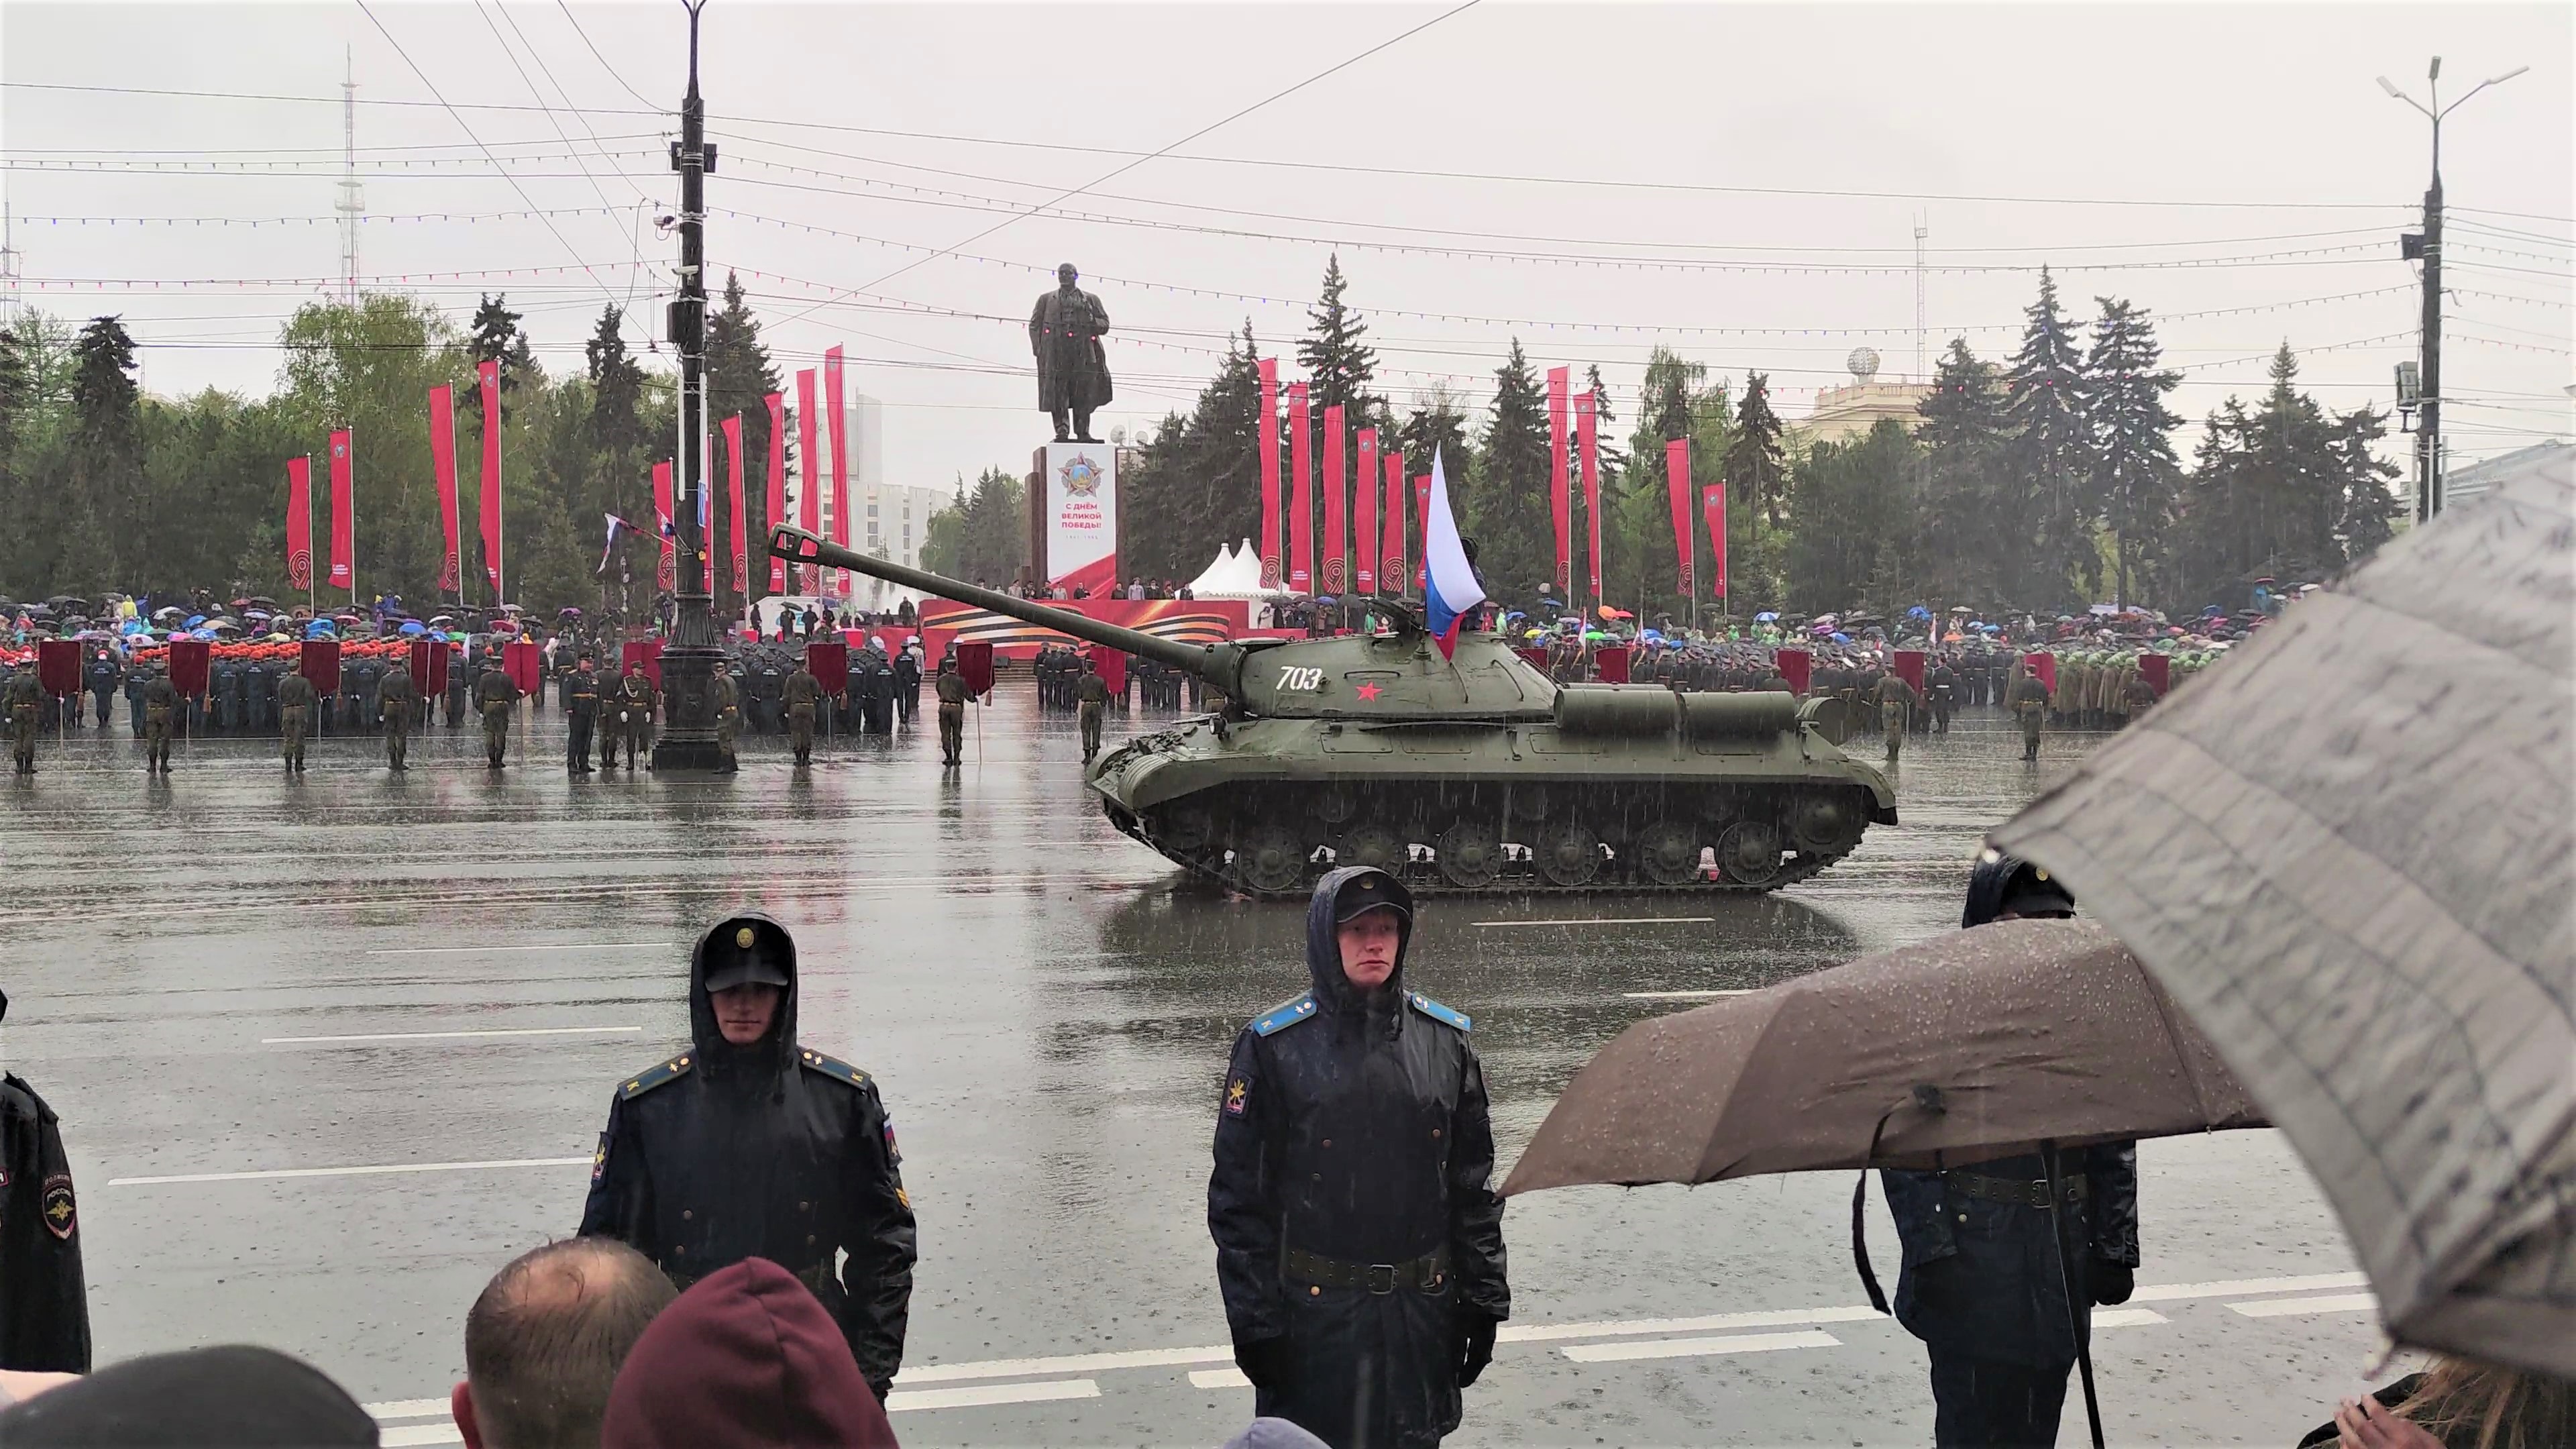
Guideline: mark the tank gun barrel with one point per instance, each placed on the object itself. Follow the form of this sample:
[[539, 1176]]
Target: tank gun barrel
[[1215, 663]]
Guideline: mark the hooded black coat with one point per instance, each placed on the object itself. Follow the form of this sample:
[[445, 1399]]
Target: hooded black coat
[[1354, 1127], [1982, 1278], [769, 1151]]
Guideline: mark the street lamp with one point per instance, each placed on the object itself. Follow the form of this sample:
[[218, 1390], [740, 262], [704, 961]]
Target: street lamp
[[2428, 440]]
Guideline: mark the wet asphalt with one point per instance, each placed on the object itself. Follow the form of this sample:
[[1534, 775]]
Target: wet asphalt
[[235, 987]]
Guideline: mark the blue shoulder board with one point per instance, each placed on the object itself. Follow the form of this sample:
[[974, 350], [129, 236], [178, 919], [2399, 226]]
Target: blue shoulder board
[[1436, 1011], [1286, 1013], [637, 1086], [833, 1067]]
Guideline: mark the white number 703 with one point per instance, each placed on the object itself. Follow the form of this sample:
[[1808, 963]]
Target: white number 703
[[1292, 676]]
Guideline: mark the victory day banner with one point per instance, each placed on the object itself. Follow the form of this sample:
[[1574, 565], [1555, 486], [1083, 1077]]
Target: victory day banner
[[809, 480], [442, 467], [1364, 517], [299, 523], [1337, 484], [1301, 494], [1078, 492], [491, 372], [1266, 444], [776, 512], [344, 517]]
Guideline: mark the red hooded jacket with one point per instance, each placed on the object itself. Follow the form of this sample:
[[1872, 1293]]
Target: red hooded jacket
[[746, 1359]]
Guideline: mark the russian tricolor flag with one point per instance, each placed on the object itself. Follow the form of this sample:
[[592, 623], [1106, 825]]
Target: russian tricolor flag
[[1449, 591]]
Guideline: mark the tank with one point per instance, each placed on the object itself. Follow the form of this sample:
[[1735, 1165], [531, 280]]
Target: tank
[[1472, 773]]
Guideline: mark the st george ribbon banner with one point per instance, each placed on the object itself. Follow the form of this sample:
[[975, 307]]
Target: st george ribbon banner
[[1390, 559], [1677, 480], [1422, 512], [666, 574], [777, 495], [1712, 502], [1587, 448], [1266, 446], [1364, 516], [1337, 484], [741, 575], [1560, 509], [1301, 494], [344, 518], [837, 421], [299, 523], [442, 467], [809, 479], [491, 377]]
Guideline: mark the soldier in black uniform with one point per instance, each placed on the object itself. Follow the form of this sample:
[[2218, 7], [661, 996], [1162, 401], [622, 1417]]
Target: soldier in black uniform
[[101, 678], [44, 1304], [1359, 1247], [750, 1145], [907, 683], [1943, 692], [1986, 1281], [581, 712]]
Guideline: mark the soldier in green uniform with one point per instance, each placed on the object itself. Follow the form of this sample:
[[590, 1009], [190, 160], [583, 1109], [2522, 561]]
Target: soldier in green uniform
[[1895, 699], [728, 703], [160, 703], [22, 702], [634, 706], [294, 716], [803, 693], [952, 713], [581, 713], [394, 704], [1091, 696], [496, 697], [2139, 695], [2028, 700]]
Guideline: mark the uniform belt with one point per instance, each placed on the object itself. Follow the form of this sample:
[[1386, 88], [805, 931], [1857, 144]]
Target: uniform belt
[[2029, 1192], [1426, 1273], [814, 1277]]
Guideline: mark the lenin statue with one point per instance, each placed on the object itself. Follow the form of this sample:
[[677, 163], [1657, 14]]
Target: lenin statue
[[1073, 371]]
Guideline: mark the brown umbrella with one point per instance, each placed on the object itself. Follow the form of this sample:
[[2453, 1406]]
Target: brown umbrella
[[2023, 1032], [2351, 854]]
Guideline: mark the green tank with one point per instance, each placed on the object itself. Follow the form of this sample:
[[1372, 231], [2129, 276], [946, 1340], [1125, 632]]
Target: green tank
[[1470, 773]]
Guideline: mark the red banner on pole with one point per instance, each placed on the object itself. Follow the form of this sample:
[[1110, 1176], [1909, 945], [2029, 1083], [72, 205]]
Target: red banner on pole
[[775, 513], [1390, 561], [1588, 454], [190, 662], [58, 667], [1113, 669], [524, 661], [1610, 665], [975, 665], [809, 480], [1301, 493], [491, 374], [1364, 517], [837, 419], [299, 523], [2157, 671], [666, 574], [1909, 667], [733, 475], [319, 663], [1422, 514], [1266, 444], [442, 467], [1336, 483], [1712, 504], [1677, 480], [2044, 665], [1560, 507], [1798, 667], [344, 518], [429, 667]]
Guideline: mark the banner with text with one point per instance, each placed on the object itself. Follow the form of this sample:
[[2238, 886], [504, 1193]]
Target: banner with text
[[1079, 483]]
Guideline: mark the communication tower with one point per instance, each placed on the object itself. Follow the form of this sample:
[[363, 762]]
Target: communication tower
[[1920, 231], [9, 299], [353, 200]]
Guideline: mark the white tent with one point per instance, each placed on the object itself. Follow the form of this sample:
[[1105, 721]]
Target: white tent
[[1235, 573]]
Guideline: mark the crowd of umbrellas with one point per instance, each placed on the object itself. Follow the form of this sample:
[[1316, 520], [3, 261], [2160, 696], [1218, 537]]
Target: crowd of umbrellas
[[124, 624], [2333, 890]]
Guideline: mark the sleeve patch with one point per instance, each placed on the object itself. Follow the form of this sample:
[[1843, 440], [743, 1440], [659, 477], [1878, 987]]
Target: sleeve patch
[[61, 1218], [599, 1161], [1237, 1092], [894, 1154]]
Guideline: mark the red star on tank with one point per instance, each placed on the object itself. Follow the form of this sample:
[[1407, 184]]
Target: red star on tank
[[1368, 694]]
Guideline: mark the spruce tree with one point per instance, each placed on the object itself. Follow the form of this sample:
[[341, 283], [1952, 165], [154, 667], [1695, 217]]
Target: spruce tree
[[1507, 510], [104, 485], [740, 377], [1338, 361], [1196, 487], [2135, 472], [2369, 508], [494, 336], [2051, 505], [1756, 473], [1964, 433]]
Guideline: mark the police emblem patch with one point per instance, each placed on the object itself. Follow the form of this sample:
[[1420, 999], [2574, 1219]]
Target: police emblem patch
[[1235, 1092], [60, 1216], [893, 1153], [599, 1160]]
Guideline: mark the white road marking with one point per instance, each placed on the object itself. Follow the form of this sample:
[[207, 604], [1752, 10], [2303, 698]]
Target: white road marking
[[1074, 1363], [406, 1409], [1716, 1322], [447, 1035], [1224, 1378], [2126, 1317], [553, 946], [2165, 1292], [285, 1172], [2284, 1307], [1698, 1347], [1039, 1393], [1609, 921], [1690, 995], [446, 1433]]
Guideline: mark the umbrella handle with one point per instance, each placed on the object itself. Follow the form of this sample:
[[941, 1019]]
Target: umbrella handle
[[1927, 1097], [2066, 1289]]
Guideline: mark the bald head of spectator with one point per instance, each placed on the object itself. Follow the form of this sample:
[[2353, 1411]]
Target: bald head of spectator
[[544, 1343]]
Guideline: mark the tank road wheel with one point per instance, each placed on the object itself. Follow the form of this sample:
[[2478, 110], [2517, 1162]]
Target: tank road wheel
[[1825, 823], [1749, 852], [1667, 853], [1372, 844], [1471, 854], [1270, 861], [1568, 855]]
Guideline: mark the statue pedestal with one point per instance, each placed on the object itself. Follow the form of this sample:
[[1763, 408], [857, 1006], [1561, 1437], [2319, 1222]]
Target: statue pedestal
[[1074, 517]]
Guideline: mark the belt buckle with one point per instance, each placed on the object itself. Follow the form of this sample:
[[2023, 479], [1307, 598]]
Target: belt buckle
[[1381, 1273], [2039, 1192]]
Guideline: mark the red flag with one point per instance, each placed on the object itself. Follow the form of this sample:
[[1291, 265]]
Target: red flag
[[1301, 494], [299, 523], [2157, 671], [1798, 667], [58, 667], [666, 574], [1336, 483], [809, 480], [1422, 511], [190, 662], [1364, 517], [1909, 667], [1712, 502], [1390, 562], [1268, 446], [733, 475], [344, 518], [1610, 665], [1113, 670], [776, 512], [1677, 479], [1588, 451], [524, 661], [837, 419], [442, 466], [975, 665], [1560, 507], [492, 475], [2044, 665], [319, 662]]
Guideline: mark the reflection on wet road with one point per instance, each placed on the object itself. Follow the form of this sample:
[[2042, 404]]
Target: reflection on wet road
[[330, 1050]]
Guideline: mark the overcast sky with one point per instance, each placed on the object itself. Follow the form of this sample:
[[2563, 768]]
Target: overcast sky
[[1746, 141]]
